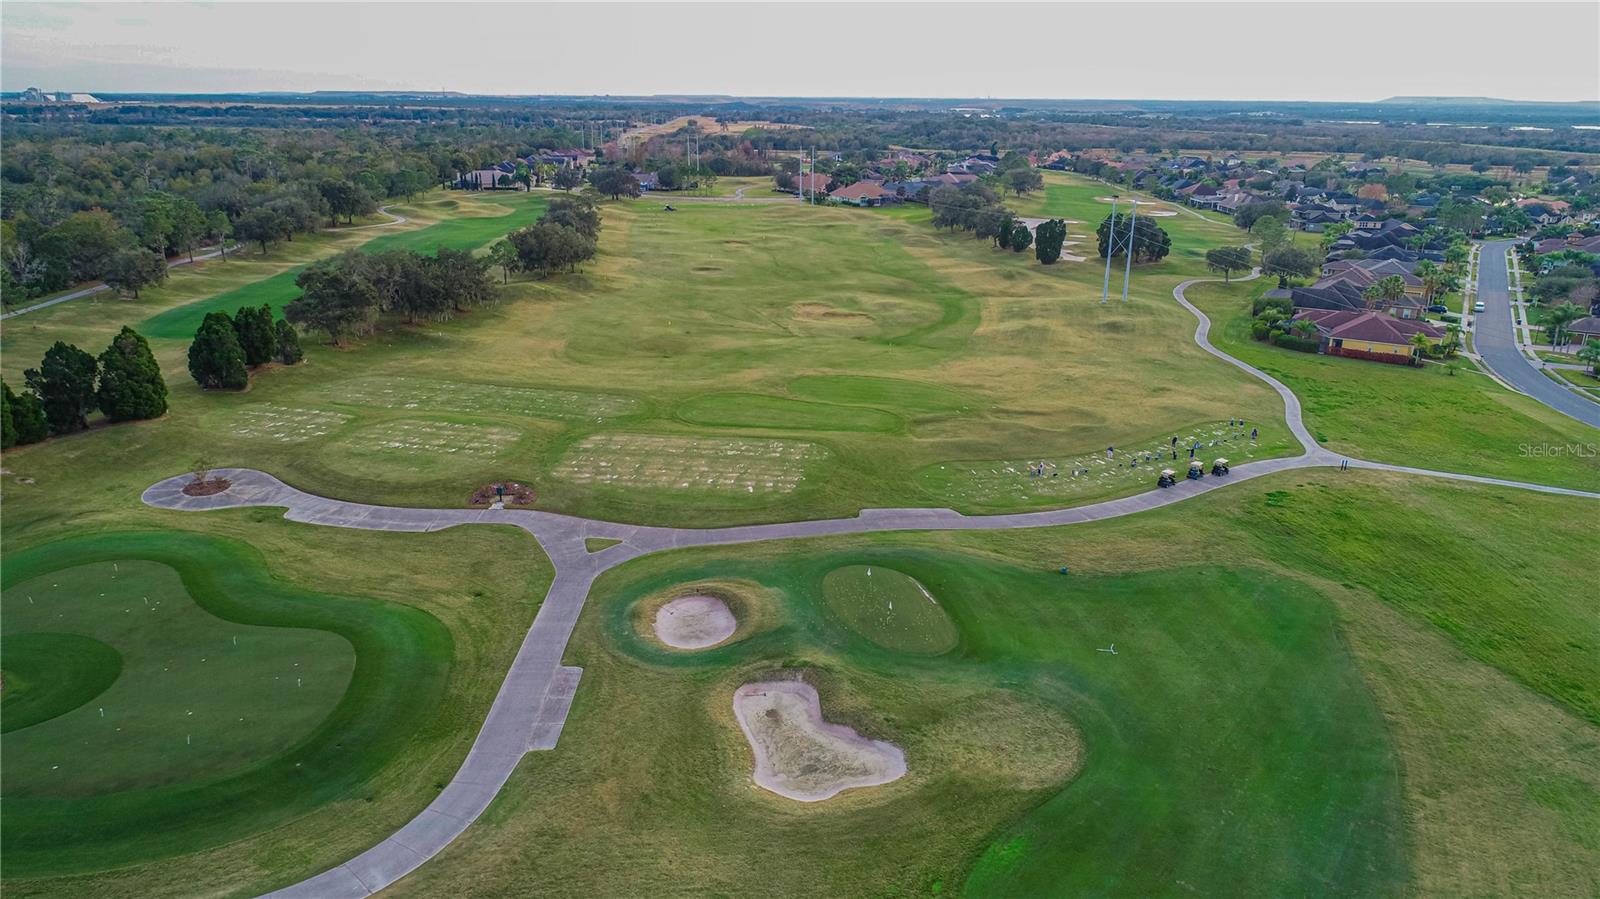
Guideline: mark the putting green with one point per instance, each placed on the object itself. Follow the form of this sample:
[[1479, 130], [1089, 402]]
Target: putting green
[[48, 675], [241, 703], [889, 608]]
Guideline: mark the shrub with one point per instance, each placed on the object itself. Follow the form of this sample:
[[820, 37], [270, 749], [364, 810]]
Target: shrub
[[1294, 342], [1259, 329]]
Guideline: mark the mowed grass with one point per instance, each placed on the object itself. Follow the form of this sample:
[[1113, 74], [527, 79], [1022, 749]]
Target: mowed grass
[[50, 674], [1036, 765], [865, 598], [1366, 735], [713, 325], [1443, 417], [429, 630], [195, 697], [459, 232]]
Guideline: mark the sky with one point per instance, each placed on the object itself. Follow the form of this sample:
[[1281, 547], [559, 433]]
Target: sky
[[1129, 50]]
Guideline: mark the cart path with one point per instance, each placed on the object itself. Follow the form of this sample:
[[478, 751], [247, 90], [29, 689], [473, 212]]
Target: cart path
[[532, 703], [101, 288]]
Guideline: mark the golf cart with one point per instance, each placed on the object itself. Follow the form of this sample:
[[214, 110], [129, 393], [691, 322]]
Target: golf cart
[[1167, 479], [1219, 467], [1197, 470]]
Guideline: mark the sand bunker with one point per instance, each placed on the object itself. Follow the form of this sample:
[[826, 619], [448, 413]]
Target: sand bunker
[[694, 622], [799, 755]]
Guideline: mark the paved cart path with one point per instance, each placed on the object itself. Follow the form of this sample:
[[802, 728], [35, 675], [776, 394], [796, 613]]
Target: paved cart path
[[531, 706]]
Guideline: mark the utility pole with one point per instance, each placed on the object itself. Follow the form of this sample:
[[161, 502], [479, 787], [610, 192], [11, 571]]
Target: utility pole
[[1127, 270], [1111, 250]]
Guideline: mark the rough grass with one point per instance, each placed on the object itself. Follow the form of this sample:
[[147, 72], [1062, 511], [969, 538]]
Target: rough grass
[[1427, 417]]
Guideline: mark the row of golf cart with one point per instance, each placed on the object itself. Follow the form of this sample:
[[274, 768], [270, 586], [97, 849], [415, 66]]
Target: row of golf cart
[[1197, 470]]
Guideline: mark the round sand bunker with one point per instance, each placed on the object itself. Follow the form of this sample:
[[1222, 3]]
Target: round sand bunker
[[799, 755], [694, 622]]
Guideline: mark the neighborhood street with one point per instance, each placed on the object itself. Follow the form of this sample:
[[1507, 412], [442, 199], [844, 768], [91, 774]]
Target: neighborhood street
[[1494, 339]]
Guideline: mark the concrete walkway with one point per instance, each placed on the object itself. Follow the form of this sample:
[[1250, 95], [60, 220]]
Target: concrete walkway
[[532, 704]]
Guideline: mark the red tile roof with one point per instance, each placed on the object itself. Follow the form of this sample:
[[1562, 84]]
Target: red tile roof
[[1380, 328], [861, 190]]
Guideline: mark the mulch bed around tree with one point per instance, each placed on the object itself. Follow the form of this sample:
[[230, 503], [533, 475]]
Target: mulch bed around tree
[[209, 487], [515, 494]]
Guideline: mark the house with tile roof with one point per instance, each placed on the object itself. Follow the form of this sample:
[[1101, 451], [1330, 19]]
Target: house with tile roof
[[1370, 335], [863, 193]]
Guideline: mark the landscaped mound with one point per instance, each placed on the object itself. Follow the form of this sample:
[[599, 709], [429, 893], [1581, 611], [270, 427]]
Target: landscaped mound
[[206, 486], [891, 609], [694, 622], [800, 756], [512, 492]]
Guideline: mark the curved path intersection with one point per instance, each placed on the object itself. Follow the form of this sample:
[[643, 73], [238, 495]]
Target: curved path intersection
[[532, 704]]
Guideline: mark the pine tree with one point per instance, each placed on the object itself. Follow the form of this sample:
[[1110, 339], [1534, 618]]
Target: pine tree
[[288, 344], [215, 357], [130, 379], [253, 326], [64, 383], [23, 420]]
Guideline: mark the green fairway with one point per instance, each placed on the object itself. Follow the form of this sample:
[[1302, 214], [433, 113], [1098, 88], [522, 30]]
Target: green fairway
[[693, 374], [467, 233], [198, 741], [865, 598]]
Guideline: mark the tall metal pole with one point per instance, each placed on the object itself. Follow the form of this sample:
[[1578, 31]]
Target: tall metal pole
[[1128, 266], [1111, 250]]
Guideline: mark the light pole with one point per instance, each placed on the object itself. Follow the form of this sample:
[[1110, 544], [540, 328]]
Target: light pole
[[1111, 247], [1127, 270]]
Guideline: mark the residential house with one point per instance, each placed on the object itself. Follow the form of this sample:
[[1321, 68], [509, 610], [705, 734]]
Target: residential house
[[648, 181], [1370, 335], [485, 179], [863, 193]]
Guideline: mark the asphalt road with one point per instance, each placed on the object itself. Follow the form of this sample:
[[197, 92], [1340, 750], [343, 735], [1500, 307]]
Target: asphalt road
[[1496, 342]]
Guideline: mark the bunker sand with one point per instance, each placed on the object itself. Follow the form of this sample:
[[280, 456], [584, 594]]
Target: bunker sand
[[694, 622], [802, 757]]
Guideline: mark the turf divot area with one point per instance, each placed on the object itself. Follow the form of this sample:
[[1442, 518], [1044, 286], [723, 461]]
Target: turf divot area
[[714, 464]]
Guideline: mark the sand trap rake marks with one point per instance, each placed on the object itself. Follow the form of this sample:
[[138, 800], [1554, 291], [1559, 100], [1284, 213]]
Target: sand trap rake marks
[[460, 396], [285, 424], [728, 465]]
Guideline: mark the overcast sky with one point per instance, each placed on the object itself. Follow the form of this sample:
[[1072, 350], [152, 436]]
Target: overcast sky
[[1240, 51]]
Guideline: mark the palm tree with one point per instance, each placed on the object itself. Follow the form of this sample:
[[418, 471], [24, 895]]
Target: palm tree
[[1591, 354], [1386, 290], [1431, 277], [1419, 344], [1452, 338], [1556, 320]]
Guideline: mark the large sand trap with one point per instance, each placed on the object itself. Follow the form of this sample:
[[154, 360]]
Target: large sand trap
[[799, 755], [694, 622]]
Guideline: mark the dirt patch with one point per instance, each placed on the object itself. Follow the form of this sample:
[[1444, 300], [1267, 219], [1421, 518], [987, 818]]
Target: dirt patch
[[800, 756], [513, 493], [695, 622], [207, 487]]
